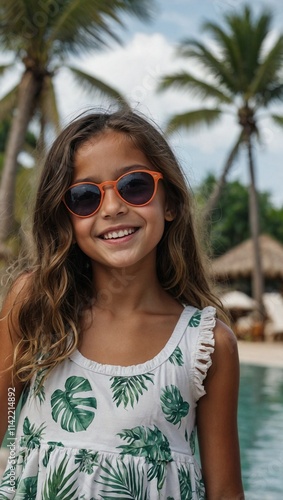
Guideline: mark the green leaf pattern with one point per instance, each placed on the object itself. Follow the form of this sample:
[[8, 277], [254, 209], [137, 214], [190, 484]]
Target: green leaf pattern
[[38, 390], [150, 444], [120, 474], [32, 435], [121, 481], [51, 447], [59, 485], [173, 405], [193, 441], [129, 389], [185, 483], [69, 410], [87, 460], [176, 357], [195, 319], [27, 488]]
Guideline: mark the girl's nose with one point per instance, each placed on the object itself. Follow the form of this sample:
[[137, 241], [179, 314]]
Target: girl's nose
[[112, 204]]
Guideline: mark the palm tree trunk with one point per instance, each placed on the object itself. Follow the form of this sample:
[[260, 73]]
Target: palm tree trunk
[[218, 188], [28, 89], [257, 276]]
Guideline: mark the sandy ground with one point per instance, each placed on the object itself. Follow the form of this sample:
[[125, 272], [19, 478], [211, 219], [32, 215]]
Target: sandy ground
[[261, 353], [255, 353]]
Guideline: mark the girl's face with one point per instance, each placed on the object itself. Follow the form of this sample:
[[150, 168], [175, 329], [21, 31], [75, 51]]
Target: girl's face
[[103, 236]]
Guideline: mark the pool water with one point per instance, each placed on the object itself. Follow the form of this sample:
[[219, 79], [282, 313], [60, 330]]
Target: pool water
[[261, 432]]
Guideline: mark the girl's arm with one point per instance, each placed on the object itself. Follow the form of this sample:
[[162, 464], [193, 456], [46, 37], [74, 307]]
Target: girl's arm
[[217, 421], [9, 391]]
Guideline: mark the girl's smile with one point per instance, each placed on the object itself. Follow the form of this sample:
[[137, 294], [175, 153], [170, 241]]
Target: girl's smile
[[117, 234]]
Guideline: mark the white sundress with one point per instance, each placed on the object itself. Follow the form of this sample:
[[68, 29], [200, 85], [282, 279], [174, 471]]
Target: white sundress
[[97, 431]]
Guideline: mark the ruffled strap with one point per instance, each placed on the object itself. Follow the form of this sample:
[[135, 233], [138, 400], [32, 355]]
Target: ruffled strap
[[204, 349]]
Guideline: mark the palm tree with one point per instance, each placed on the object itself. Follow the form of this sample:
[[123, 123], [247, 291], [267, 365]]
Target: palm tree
[[244, 78], [23, 181], [43, 35]]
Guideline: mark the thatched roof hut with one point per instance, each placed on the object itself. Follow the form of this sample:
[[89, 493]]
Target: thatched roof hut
[[239, 261]]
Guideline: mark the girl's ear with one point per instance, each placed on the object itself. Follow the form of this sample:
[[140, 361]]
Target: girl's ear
[[169, 213]]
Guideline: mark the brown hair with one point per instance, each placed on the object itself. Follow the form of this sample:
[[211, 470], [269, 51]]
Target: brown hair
[[60, 285]]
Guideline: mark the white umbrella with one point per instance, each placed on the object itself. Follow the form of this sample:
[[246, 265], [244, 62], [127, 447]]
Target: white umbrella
[[273, 303], [237, 300]]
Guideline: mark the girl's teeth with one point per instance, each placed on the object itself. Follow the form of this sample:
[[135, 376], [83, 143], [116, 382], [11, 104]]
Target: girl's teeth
[[118, 234]]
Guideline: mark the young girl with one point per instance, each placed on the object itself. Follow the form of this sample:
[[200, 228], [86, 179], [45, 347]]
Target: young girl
[[112, 334]]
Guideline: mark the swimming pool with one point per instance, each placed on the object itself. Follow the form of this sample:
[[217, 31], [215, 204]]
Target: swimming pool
[[261, 432]]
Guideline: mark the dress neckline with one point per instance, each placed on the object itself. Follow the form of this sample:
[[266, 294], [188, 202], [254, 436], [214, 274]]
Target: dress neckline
[[130, 370]]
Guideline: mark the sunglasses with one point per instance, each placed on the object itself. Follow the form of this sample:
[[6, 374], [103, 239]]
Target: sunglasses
[[136, 188]]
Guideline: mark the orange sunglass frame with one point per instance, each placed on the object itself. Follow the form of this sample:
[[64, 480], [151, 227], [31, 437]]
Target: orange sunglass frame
[[155, 175]]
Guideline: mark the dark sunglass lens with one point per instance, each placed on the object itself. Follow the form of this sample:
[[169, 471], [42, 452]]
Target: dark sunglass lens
[[136, 188], [83, 200]]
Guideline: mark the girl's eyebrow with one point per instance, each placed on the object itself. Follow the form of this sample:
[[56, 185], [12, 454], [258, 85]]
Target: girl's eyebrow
[[118, 172]]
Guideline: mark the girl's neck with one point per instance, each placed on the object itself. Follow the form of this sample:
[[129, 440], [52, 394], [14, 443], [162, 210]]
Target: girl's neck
[[124, 290]]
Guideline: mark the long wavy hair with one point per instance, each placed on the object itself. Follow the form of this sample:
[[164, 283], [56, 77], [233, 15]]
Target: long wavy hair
[[60, 280]]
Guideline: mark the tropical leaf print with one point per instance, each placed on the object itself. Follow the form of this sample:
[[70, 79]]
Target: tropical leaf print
[[200, 489], [69, 410], [176, 357], [27, 488], [122, 481], [195, 319], [151, 444], [32, 435], [38, 389], [128, 389], [193, 441], [51, 447], [173, 405], [185, 483], [87, 460], [56, 484], [25, 394]]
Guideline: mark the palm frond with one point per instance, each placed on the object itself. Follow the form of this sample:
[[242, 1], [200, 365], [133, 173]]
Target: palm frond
[[80, 26], [85, 25], [268, 70], [94, 86], [13, 14], [248, 32], [194, 119], [199, 88], [271, 94], [228, 47], [278, 119], [218, 68]]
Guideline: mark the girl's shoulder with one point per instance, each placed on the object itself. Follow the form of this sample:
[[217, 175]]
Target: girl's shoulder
[[225, 353]]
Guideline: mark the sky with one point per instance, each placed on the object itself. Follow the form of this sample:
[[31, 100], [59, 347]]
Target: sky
[[148, 52]]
